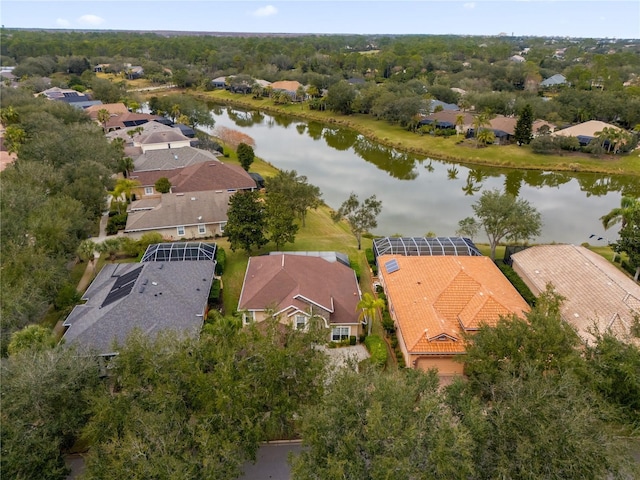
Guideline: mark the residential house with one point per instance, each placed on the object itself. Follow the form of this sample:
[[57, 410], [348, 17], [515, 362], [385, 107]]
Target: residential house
[[586, 131], [302, 287], [169, 159], [164, 292], [435, 300], [554, 81], [119, 116], [134, 72], [517, 59], [152, 136], [504, 128], [194, 215], [212, 175], [70, 96], [449, 119], [597, 294], [290, 87], [438, 105], [220, 82]]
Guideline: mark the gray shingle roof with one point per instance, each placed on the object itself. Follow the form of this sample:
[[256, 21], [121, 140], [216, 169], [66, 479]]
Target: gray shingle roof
[[165, 296], [173, 158], [175, 209]]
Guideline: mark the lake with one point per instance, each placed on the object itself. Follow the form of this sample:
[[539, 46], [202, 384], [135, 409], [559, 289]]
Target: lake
[[421, 195]]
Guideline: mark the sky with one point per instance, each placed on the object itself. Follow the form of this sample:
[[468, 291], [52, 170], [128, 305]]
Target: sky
[[571, 18]]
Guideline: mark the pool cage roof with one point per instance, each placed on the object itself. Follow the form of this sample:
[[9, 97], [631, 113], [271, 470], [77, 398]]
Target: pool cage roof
[[179, 251], [425, 246]]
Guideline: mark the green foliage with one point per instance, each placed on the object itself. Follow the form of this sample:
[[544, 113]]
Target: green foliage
[[376, 425], [355, 266], [294, 189], [629, 238], [246, 221], [221, 261], [44, 405], [340, 97], [378, 350], [371, 260], [523, 131], [614, 372], [214, 293], [517, 282], [245, 155], [361, 217], [31, 337], [196, 111], [116, 222], [280, 224], [199, 408], [504, 216], [67, 296], [163, 185]]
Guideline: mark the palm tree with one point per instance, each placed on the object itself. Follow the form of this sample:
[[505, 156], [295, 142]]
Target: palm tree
[[126, 165], [479, 121], [103, 118], [485, 136], [621, 214], [369, 306], [459, 123], [124, 186]]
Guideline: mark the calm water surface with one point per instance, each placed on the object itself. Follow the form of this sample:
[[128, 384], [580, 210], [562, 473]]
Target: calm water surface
[[421, 195]]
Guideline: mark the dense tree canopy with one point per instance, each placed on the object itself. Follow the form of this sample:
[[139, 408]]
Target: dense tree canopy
[[246, 221]]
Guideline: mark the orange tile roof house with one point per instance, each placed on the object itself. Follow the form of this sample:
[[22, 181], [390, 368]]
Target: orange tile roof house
[[298, 286], [433, 300], [596, 293]]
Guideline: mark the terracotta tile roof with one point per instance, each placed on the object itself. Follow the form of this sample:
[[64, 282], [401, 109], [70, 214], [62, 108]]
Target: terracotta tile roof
[[199, 177], [287, 85], [280, 281], [434, 299], [594, 289]]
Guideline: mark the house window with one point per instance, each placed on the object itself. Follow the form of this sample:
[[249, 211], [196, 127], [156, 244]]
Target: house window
[[222, 225], [148, 190], [180, 231], [340, 333], [248, 318], [301, 322], [201, 229]]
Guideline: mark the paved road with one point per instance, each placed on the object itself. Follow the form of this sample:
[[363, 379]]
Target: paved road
[[271, 462]]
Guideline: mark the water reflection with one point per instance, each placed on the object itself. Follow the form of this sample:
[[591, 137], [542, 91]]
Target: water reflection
[[433, 198]]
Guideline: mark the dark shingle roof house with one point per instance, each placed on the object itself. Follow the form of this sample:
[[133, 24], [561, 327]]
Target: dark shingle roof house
[[199, 177], [151, 297]]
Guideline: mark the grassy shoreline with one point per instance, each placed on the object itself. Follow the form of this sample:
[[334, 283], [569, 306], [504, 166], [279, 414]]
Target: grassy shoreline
[[438, 148]]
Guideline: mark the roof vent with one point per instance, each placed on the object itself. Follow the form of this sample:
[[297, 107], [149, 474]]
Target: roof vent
[[193, 198]]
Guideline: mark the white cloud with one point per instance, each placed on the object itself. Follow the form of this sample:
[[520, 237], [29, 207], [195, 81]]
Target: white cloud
[[265, 11], [90, 20], [61, 22], [469, 5]]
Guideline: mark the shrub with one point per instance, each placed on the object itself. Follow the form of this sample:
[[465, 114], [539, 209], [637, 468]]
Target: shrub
[[163, 185], [355, 265], [387, 322], [130, 247], [517, 282], [214, 293], [115, 223], [67, 296], [352, 340], [221, 259], [378, 350], [362, 337], [371, 259]]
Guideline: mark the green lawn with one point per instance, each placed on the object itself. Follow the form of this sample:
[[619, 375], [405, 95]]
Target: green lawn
[[448, 149]]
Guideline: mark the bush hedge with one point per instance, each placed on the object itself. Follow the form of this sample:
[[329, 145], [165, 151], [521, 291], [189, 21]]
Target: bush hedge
[[378, 350], [221, 259], [214, 293], [355, 265], [517, 282], [371, 260], [115, 223]]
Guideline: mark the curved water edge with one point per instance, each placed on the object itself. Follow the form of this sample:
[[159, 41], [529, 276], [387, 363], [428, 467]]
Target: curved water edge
[[420, 194]]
